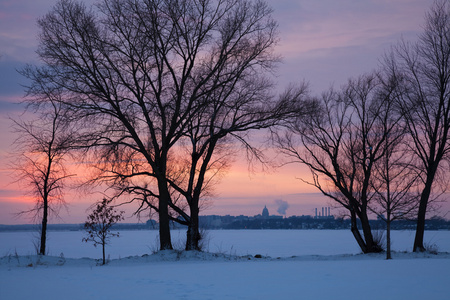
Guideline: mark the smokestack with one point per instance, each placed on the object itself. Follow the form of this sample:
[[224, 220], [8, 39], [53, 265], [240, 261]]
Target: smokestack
[[322, 213], [316, 212]]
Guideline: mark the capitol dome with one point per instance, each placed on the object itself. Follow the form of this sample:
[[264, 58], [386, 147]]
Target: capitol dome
[[265, 212]]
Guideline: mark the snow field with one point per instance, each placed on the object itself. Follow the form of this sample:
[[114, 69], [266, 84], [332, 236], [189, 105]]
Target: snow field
[[157, 277], [325, 266]]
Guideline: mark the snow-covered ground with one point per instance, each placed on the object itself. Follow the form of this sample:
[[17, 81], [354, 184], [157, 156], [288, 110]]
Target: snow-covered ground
[[325, 266]]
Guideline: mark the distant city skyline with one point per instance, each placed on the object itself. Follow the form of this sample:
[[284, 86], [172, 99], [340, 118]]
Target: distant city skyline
[[322, 42]]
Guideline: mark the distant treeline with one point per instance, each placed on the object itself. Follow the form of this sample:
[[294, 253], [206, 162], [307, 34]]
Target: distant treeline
[[309, 222], [246, 222]]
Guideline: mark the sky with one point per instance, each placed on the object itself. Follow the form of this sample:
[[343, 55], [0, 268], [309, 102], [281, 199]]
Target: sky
[[322, 42]]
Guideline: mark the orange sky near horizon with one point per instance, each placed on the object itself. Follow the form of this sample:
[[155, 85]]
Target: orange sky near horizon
[[323, 42]]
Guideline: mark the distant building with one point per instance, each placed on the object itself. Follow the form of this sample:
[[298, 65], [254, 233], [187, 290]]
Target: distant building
[[265, 212], [326, 213]]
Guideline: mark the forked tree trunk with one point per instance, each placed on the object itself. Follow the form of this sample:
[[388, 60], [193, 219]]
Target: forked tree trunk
[[356, 233], [367, 243], [371, 246]]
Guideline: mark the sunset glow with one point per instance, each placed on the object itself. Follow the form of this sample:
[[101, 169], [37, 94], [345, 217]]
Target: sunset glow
[[322, 42]]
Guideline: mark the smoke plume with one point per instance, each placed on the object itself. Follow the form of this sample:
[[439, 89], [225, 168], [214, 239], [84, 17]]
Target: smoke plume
[[282, 206]]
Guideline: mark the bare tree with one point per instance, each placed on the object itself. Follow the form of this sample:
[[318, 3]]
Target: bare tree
[[233, 111], [395, 182], [425, 67], [203, 154], [42, 146], [99, 223], [137, 73], [340, 143]]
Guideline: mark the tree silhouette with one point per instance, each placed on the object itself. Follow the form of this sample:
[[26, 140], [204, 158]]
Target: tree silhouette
[[42, 146], [139, 75], [423, 68], [99, 223], [341, 141]]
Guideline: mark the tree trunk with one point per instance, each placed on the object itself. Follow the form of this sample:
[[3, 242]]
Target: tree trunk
[[44, 227], [103, 250], [388, 237], [193, 234], [164, 222], [420, 228], [371, 246], [356, 233]]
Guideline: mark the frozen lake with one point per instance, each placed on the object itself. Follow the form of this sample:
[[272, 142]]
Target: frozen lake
[[203, 276], [274, 243]]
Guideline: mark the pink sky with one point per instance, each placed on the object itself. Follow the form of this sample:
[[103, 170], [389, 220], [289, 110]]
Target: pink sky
[[323, 42]]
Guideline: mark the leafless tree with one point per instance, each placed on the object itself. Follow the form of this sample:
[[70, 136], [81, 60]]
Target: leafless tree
[[233, 111], [99, 223], [395, 183], [425, 68], [340, 143], [42, 147], [203, 154], [138, 73]]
